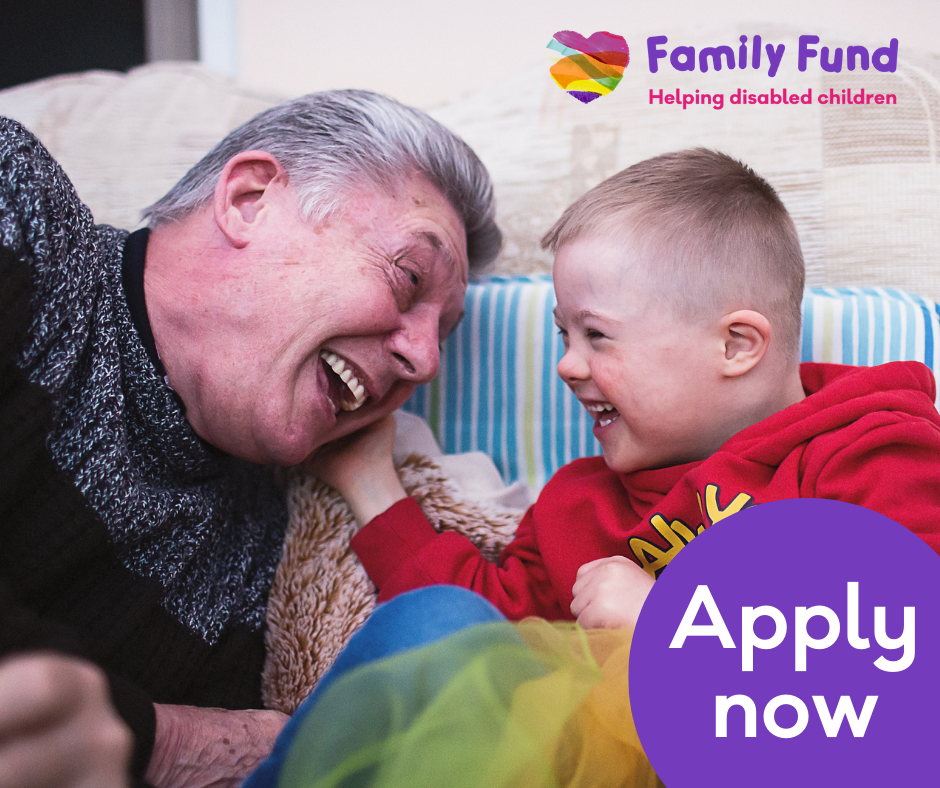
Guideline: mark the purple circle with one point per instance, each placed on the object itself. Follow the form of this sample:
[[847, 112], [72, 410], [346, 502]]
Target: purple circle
[[787, 555]]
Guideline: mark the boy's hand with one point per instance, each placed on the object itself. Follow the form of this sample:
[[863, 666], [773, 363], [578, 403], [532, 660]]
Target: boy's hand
[[360, 467], [609, 593], [340, 462]]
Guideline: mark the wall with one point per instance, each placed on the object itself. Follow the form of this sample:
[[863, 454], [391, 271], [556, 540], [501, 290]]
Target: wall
[[426, 51]]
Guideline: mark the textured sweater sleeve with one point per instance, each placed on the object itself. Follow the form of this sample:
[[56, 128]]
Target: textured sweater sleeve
[[24, 419], [43, 222], [21, 630], [401, 550]]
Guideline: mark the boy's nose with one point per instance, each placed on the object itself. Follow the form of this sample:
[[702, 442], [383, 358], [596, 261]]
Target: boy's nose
[[572, 368]]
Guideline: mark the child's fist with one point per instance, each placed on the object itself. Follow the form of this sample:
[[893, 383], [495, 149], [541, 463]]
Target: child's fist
[[360, 467], [341, 462], [609, 593]]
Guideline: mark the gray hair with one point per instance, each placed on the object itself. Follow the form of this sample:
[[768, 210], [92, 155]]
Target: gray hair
[[331, 141]]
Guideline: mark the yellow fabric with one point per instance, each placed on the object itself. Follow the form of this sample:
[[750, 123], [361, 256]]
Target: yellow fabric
[[599, 746], [530, 705]]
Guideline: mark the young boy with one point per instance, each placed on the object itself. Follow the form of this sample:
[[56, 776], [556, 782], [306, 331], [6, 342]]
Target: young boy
[[679, 283]]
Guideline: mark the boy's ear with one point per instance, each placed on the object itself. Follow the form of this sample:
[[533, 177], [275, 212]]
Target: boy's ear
[[240, 194], [746, 337]]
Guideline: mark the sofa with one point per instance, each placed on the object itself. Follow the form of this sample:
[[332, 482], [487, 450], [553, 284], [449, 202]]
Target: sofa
[[862, 183], [497, 391]]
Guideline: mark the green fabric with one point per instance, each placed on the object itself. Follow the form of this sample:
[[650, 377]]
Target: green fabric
[[478, 709]]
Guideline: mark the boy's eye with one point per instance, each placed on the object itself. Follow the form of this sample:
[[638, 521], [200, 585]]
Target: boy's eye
[[593, 333]]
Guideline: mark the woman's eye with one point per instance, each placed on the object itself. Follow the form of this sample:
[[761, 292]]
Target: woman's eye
[[413, 278]]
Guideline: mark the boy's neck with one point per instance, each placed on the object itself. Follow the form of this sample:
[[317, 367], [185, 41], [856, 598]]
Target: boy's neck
[[768, 397]]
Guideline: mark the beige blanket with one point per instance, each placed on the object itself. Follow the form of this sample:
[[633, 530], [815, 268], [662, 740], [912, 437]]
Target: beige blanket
[[321, 593]]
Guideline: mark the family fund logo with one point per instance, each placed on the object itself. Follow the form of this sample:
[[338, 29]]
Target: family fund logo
[[588, 68], [683, 58], [757, 55], [800, 661]]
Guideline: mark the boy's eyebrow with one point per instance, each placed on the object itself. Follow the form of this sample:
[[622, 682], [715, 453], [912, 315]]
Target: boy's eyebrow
[[588, 313]]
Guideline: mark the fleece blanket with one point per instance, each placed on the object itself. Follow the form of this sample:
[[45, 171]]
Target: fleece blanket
[[321, 594]]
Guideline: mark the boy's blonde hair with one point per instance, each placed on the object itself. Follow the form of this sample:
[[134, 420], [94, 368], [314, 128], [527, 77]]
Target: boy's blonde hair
[[713, 234]]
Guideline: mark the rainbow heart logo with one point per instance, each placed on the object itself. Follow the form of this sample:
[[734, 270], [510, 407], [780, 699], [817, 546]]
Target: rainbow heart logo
[[588, 68]]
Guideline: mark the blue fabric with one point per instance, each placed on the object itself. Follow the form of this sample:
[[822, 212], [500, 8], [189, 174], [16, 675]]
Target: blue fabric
[[497, 391], [408, 621]]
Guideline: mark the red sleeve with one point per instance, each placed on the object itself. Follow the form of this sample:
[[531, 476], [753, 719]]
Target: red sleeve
[[892, 468], [401, 550]]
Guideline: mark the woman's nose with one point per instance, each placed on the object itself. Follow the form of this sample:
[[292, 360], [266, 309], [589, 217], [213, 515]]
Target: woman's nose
[[416, 346]]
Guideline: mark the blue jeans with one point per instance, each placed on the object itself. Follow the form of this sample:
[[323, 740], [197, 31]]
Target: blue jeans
[[408, 621]]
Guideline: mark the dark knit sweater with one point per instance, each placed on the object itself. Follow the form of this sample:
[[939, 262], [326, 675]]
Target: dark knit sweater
[[123, 536]]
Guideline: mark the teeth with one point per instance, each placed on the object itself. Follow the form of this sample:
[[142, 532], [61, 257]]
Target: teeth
[[597, 409], [358, 391]]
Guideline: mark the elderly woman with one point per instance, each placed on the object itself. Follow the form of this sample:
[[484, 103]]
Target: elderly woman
[[293, 287]]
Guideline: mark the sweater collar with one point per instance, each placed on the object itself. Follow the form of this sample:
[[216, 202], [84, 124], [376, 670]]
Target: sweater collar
[[133, 261], [132, 269]]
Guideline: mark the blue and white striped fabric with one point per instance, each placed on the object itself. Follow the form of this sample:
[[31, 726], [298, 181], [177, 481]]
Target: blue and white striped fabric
[[865, 326], [498, 391]]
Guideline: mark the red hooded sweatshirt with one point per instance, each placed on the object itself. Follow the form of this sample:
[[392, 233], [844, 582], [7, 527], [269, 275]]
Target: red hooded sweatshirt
[[865, 435]]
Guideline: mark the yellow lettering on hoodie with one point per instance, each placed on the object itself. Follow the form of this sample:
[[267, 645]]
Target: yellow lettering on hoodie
[[677, 534]]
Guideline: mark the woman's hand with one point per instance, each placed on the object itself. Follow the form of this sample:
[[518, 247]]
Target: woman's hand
[[199, 748], [58, 728]]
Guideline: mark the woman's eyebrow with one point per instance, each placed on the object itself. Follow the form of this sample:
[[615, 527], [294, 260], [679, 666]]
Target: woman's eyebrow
[[419, 241], [426, 238]]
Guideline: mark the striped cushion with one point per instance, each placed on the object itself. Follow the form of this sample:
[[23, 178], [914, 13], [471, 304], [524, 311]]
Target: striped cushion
[[498, 392]]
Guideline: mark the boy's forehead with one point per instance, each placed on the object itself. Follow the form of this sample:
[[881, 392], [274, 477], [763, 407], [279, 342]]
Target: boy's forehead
[[600, 275], [615, 261]]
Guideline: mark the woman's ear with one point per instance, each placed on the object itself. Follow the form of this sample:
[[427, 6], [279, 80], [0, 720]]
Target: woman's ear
[[746, 337], [243, 192]]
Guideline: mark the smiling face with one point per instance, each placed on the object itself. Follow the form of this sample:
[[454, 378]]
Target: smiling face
[[321, 330], [649, 379]]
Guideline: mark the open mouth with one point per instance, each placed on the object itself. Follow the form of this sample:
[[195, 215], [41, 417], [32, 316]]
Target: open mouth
[[604, 413], [346, 392]]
